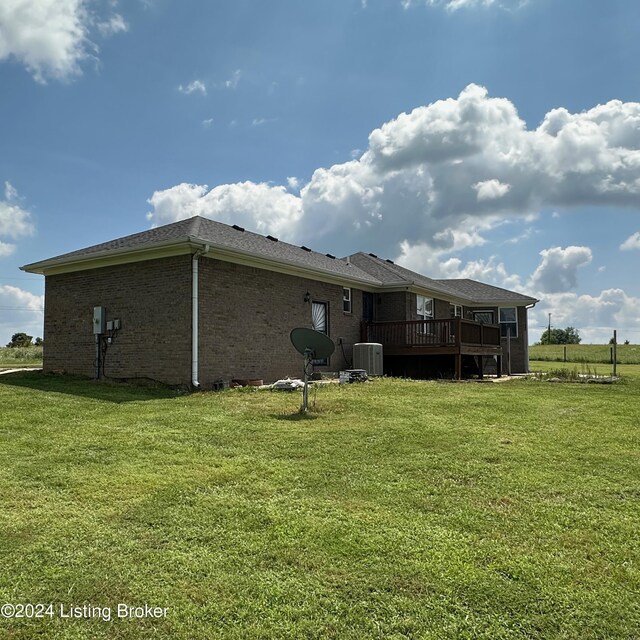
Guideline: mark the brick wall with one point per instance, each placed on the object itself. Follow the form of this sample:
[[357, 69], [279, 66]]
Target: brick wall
[[395, 305], [153, 302], [519, 350], [247, 314]]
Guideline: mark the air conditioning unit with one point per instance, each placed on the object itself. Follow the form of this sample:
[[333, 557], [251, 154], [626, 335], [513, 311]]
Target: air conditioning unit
[[368, 356]]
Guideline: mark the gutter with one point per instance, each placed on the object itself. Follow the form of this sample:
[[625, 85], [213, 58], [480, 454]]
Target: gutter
[[195, 307]]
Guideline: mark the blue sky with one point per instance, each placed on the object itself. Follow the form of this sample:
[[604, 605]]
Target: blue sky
[[492, 139]]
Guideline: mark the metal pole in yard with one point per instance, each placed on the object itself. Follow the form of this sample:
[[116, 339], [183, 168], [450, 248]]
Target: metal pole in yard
[[509, 351], [615, 352]]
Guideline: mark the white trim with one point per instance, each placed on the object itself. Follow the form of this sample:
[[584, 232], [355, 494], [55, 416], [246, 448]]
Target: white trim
[[347, 299], [500, 322], [195, 308]]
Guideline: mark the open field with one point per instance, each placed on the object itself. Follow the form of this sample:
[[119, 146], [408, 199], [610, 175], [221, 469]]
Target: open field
[[396, 510], [631, 371], [598, 353], [20, 357]]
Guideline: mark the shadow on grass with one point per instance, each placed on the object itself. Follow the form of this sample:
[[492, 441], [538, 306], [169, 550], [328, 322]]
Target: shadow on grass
[[105, 390], [298, 416]]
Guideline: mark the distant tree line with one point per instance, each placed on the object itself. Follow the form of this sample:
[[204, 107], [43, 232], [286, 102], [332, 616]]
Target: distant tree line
[[24, 340], [570, 335]]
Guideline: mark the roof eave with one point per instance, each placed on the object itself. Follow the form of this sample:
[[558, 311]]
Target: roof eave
[[63, 264], [110, 257], [276, 264]]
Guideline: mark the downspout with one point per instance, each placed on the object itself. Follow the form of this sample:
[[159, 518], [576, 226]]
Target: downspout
[[195, 306], [526, 342]]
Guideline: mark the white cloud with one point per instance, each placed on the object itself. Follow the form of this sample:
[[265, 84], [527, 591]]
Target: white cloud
[[461, 166], [6, 249], [632, 242], [15, 222], [595, 316], [10, 192], [423, 259], [557, 272], [207, 123], [192, 87], [51, 38], [491, 189], [21, 311], [263, 207], [115, 24]]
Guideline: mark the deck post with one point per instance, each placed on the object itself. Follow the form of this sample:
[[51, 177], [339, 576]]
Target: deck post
[[458, 373], [499, 367], [481, 366]]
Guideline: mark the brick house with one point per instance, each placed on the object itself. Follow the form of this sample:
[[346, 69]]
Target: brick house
[[197, 301]]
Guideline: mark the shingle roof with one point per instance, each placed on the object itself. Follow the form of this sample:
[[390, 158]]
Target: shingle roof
[[471, 291], [482, 292], [359, 267], [222, 236], [391, 274]]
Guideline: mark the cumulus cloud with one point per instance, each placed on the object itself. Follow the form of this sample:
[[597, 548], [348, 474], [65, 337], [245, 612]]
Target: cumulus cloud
[[21, 311], [436, 265], [263, 207], [51, 38], [15, 222], [193, 87], [491, 189], [458, 166], [632, 242], [6, 249], [595, 316], [558, 270]]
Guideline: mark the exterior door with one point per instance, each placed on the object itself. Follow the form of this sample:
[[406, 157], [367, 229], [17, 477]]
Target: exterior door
[[320, 322], [367, 306]]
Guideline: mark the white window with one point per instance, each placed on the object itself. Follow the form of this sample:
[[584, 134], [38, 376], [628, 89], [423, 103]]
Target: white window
[[424, 311], [455, 310], [508, 321], [346, 299], [424, 308]]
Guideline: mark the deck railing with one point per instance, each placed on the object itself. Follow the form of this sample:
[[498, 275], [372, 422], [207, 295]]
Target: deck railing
[[432, 333]]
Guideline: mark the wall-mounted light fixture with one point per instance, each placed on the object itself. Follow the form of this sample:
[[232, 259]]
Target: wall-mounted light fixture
[[307, 297]]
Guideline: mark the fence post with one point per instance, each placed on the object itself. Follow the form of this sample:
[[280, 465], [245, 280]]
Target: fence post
[[615, 353], [565, 353]]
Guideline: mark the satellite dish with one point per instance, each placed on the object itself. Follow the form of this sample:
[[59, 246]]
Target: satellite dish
[[320, 344], [311, 344]]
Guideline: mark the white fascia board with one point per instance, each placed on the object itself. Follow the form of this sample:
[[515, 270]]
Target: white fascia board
[[250, 259]]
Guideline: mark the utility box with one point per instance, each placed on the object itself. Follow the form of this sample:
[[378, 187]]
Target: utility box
[[99, 320], [368, 356]]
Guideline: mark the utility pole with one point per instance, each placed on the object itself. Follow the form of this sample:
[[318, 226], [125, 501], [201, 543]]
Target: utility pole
[[549, 331]]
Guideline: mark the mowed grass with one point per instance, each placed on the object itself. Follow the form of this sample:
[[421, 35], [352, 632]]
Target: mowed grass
[[397, 509]]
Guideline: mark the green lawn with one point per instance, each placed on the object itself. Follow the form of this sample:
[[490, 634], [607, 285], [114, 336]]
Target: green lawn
[[396, 510], [600, 353]]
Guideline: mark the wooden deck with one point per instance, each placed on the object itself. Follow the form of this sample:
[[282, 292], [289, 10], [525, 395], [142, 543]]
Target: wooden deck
[[455, 337]]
